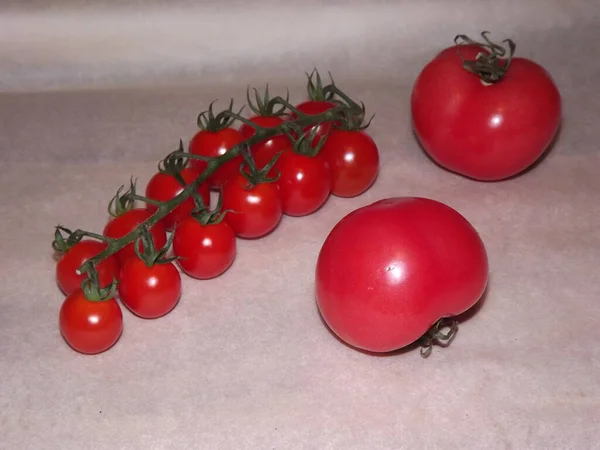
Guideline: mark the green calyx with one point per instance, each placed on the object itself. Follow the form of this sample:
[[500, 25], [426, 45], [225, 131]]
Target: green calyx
[[90, 287], [205, 216], [436, 335], [120, 204], [303, 143], [146, 251], [489, 66], [252, 173], [315, 89], [61, 245], [207, 120], [263, 106]]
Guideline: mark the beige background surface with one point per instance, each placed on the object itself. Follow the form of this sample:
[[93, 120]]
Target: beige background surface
[[95, 94]]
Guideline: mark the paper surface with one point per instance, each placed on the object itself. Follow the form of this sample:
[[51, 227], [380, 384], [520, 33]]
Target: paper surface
[[95, 94]]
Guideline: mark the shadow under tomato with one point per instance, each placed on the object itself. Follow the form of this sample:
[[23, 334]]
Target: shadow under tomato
[[528, 169], [461, 318]]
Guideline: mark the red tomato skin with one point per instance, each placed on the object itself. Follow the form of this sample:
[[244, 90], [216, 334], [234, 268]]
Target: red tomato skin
[[388, 271], [66, 277], [304, 183], [487, 133], [313, 107], [90, 327], [213, 144], [164, 187], [254, 212], [149, 292], [265, 151], [205, 251], [354, 160], [119, 226]]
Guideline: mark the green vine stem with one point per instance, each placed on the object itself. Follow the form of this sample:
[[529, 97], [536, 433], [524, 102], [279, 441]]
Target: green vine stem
[[339, 112], [490, 67], [436, 335]]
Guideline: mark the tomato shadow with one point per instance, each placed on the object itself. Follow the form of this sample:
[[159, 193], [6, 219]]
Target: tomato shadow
[[461, 318], [528, 169]]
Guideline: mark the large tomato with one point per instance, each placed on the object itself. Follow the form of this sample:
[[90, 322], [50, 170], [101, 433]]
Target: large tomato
[[214, 144], [387, 272], [304, 182], [253, 210], [354, 160], [90, 326], [164, 186], [204, 250], [126, 222], [66, 276], [484, 130], [149, 291]]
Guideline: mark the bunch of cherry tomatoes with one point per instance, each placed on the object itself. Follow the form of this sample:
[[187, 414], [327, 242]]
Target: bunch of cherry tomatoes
[[475, 110]]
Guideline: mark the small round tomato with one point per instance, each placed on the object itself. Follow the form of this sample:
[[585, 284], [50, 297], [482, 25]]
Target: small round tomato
[[123, 224], [304, 182], [314, 107], [252, 211], [214, 144], [149, 291], [204, 250], [264, 151], [164, 187], [484, 130], [354, 160], [90, 326], [66, 276], [387, 272]]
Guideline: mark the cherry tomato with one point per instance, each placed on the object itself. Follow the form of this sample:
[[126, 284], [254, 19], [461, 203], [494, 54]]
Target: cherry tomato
[[354, 160], [121, 225], [485, 132], [304, 182], [149, 291], [254, 211], [213, 144], [265, 151], [88, 326], [388, 271], [313, 107], [164, 186], [66, 277], [204, 251]]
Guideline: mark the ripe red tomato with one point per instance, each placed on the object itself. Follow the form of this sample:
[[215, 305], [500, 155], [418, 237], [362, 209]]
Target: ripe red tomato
[[214, 144], [265, 151], [354, 160], [88, 326], [485, 132], [313, 107], [388, 271], [164, 186], [204, 251], [149, 291], [253, 212], [66, 277], [304, 182], [119, 226]]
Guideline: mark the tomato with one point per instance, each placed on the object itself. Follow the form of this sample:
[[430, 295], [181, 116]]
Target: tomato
[[204, 251], [214, 144], [265, 151], [484, 131], [164, 186], [313, 107], [304, 182], [389, 270], [123, 224], [88, 326], [354, 160], [254, 211], [149, 291], [66, 277]]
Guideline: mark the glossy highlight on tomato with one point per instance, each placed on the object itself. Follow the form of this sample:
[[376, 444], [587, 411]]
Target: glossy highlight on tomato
[[484, 131], [90, 327], [389, 270]]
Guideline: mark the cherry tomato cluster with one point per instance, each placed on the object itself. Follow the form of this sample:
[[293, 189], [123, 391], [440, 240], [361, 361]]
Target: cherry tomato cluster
[[257, 177]]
